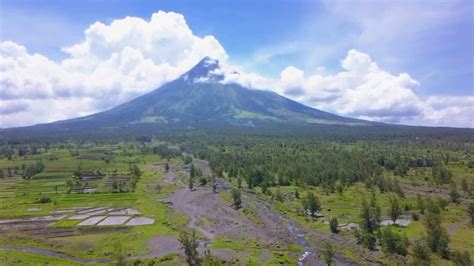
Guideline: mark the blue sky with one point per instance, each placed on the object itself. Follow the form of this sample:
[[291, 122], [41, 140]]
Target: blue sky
[[432, 41]]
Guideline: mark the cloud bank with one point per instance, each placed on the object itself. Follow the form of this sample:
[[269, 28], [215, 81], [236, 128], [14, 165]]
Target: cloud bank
[[118, 61]]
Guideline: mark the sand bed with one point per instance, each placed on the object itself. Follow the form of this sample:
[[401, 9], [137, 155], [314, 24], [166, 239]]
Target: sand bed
[[140, 221], [92, 220], [114, 220]]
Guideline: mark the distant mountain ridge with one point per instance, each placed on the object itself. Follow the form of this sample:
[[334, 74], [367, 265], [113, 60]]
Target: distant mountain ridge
[[200, 97]]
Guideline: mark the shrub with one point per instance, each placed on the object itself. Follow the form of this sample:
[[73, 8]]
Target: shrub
[[333, 224], [43, 200], [203, 181], [461, 258], [393, 243]]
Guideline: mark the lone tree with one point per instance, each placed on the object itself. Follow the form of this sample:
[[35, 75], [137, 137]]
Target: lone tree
[[167, 167], [328, 254], [188, 239], [470, 210], [333, 224], [136, 172], [119, 254], [454, 194], [436, 236], [394, 209], [191, 182], [193, 171], [461, 258], [311, 203], [420, 203], [236, 196], [214, 183], [465, 186], [421, 254], [370, 222], [393, 243]]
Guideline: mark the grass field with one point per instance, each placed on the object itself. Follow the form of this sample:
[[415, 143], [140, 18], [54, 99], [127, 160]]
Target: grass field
[[19, 196]]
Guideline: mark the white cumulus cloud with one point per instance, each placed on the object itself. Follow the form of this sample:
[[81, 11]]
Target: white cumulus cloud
[[363, 90], [112, 64]]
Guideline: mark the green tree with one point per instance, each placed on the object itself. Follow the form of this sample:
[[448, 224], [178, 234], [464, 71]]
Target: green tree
[[136, 172], [421, 254], [340, 188], [297, 194], [193, 171], [436, 236], [119, 254], [214, 183], [465, 186], [454, 194], [189, 243], [312, 203], [370, 223], [236, 196], [461, 258], [203, 181], [279, 196], [470, 210], [394, 210], [420, 203], [393, 243], [441, 173], [187, 159], [328, 254], [333, 225], [191, 182]]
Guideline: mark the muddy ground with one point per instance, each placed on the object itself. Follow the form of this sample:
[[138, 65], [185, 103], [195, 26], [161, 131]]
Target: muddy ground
[[212, 216]]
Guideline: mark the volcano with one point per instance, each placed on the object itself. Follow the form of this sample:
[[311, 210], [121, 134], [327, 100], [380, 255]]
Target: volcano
[[199, 98]]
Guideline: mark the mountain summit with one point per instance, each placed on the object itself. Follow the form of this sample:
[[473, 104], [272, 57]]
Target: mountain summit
[[205, 71], [200, 97]]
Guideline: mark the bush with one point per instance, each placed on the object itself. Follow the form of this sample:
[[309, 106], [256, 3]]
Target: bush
[[203, 180], [393, 243], [461, 258], [421, 254], [279, 196], [237, 198], [333, 224], [43, 200]]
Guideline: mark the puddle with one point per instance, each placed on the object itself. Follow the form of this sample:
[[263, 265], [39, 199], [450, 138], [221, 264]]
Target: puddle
[[400, 222]]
